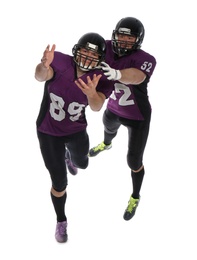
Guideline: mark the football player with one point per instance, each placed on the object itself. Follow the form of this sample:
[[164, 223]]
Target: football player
[[130, 68], [71, 84]]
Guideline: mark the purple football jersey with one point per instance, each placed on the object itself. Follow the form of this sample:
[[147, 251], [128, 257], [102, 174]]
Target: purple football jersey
[[130, 101], [63, 107]]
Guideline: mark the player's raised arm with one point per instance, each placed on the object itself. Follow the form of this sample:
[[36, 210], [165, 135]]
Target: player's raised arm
[[43, 70]]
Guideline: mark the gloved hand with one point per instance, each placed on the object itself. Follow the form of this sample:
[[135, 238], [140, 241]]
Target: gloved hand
[[110, 73]]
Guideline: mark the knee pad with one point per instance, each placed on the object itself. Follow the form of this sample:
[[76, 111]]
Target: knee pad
[[134, 162]]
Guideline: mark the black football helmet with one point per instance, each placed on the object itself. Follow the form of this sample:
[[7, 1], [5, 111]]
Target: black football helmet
[[129, 26], [90, 41]]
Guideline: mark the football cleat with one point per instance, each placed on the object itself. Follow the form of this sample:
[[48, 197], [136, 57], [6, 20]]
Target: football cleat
[[99, 148]]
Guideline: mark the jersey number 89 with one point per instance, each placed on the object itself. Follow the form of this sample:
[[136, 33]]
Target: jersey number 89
[[57, 112]]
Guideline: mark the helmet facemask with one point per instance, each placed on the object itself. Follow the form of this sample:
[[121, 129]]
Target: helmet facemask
[[122, 47], [86, 62], [89, 52], [127, 26]]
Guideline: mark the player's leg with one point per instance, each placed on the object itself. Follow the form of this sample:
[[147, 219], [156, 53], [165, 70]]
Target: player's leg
[[78, 147], [53, 151], [111, 126], [71, 167], [138, 135]]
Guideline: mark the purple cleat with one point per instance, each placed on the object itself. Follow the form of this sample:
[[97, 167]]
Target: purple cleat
[[61, 232], [72, 169]]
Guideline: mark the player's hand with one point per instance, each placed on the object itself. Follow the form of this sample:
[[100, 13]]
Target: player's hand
[[48, 56], [89, 87], [109, 72]]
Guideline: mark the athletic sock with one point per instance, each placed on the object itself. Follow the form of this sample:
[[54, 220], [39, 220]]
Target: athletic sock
[[59, 206], [137, 179]]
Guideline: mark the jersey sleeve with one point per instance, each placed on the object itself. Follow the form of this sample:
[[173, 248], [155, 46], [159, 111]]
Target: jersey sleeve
[[105, 86], [61, 61], [146, 63]]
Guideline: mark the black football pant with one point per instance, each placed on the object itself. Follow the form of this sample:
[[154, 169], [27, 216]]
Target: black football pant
[[53, 153], [137, 136]]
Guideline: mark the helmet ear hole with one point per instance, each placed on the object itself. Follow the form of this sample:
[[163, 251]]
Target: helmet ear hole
[[92, 42], [129, 26]]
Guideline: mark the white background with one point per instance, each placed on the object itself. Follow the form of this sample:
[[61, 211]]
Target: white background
[[164, 226]]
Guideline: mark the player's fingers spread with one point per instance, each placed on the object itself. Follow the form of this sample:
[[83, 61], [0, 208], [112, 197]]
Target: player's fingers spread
[[81, 82], [88, 79], [77, 83], [96, 77], [43, 59], [53, 47], [99, 76]]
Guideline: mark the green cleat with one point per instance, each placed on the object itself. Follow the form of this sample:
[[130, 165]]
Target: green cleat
[[131, 208], [99, 148]]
